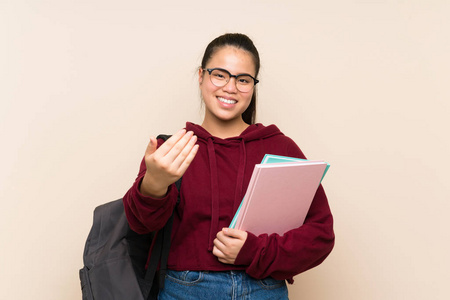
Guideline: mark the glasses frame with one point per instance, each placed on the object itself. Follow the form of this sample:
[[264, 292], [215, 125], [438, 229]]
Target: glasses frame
[[210, 70]]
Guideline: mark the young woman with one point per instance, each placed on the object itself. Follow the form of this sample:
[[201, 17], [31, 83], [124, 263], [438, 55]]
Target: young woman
[[207, 260]]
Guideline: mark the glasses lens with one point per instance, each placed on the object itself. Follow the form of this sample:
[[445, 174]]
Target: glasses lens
[[219, 77], [244, 83]]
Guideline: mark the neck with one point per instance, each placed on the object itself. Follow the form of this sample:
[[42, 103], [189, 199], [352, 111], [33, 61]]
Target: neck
[[225, 129]]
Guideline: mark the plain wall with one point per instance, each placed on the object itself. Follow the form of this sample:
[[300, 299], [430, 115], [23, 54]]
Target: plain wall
[[361, 84]]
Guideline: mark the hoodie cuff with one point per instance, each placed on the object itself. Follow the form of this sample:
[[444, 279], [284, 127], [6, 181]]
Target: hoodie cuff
[[155, 202], [248, 250]]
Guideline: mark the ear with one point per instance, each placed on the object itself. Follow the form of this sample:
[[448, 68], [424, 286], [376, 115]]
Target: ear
[[200, 75]]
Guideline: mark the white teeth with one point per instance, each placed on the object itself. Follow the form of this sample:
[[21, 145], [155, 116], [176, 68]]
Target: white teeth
[[226, 100]]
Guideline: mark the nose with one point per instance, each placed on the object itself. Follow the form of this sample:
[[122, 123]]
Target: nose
[[230, 87]]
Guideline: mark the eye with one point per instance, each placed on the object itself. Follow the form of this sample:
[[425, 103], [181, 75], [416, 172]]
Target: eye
[[218, 75], [244, 79]]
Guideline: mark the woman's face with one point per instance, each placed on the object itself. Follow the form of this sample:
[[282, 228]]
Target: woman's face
[[226, 103]]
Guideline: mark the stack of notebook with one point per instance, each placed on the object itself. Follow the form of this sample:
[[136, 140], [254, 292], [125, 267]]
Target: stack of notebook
[[279, 194]]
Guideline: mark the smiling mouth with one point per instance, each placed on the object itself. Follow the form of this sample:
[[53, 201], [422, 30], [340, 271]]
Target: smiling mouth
[[223, 100]]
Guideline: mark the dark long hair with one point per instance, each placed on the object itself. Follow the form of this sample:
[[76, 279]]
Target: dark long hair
[[240, 41]]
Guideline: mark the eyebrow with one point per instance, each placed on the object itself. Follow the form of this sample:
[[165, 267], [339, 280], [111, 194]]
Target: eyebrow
[[238, 74]]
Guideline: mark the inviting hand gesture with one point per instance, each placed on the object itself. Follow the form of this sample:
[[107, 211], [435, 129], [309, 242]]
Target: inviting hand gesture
[[168, 163]]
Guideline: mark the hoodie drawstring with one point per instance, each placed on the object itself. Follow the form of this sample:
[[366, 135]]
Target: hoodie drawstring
[[240, 176], [214, 194]]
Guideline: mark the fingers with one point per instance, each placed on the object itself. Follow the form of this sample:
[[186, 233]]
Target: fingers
[[233, 233], [220, 251], [219, 245], [151, 147], [185, 157], [171, 142], [226, 248], [167, 146], [220, 255], [176, 154], [177, 148], [182, 146], [228, 243]]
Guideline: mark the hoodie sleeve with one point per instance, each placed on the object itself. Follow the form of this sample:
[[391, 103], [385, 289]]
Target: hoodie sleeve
[[298, 250], [147, 214]]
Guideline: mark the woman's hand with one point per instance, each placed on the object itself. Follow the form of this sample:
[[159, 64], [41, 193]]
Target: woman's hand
[[168, 163], [228, 244]]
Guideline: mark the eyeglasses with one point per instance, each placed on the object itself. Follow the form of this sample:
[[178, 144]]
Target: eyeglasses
[[220, 77]]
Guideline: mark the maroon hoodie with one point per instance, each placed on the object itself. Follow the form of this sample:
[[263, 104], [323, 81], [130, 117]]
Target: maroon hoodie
[[211, 191]]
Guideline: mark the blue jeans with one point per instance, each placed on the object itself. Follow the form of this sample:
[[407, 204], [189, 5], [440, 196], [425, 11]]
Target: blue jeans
[[228, 285]]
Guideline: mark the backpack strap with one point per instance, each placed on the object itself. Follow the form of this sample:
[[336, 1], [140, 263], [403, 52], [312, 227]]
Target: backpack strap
[[166, 237], [160, 251]]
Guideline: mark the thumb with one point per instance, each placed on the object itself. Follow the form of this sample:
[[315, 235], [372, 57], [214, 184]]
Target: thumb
[[151, 147], [234, 233]]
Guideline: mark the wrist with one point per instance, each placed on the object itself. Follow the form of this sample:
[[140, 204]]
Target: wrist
[[148, 189]]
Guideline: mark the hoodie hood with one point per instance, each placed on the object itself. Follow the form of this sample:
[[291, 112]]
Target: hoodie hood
[[253, 132], [216, 146]]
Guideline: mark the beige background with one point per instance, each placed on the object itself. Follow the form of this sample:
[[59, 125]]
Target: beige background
[[362, 84]]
